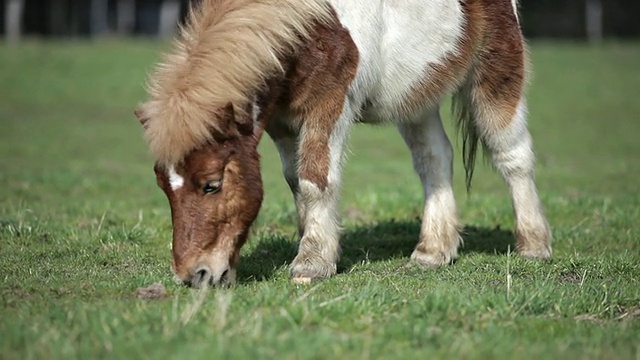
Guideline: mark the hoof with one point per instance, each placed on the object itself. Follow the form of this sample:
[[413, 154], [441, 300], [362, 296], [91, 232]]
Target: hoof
[[534, 244], [431, 258], [302, 280], [305, 270], [542, 253]]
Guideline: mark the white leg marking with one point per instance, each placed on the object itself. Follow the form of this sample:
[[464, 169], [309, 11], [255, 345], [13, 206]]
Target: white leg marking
[[320, 244], [322, 221], [432, 158], [175, 180], [512, 154]]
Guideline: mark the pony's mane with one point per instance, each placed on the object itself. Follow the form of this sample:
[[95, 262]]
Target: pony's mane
[[224, 54]]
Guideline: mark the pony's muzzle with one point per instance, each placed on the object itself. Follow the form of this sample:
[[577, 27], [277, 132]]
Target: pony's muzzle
[[205, 275]]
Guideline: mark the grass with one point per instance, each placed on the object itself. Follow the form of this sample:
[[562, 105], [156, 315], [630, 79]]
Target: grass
[[82, 226]]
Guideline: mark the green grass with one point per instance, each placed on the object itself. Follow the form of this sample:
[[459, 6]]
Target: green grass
[[82, 226]]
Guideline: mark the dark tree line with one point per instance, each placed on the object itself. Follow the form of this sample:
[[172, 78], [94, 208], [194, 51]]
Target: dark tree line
[[91, 17], [568, 18], [578, 19]]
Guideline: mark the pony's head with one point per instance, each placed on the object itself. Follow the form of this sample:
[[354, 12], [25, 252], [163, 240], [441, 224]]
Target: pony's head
[[215, 192]]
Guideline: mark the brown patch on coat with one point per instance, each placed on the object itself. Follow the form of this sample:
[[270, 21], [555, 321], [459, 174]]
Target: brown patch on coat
[[273, 103], [500, 76], [488, 74], [217, 221], [317, 85], [442, 78], [490, 56]]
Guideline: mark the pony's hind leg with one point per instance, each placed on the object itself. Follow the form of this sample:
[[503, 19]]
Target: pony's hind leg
[[511, 151], [432, 159], [496, 115]]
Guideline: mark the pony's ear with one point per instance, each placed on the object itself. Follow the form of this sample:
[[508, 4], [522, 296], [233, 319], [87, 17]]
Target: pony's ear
[[142, 116], [231, 125]]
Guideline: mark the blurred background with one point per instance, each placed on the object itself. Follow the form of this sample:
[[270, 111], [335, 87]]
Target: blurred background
[[574, 19]]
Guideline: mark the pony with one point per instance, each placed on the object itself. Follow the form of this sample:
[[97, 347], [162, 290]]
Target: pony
[[306, 71]]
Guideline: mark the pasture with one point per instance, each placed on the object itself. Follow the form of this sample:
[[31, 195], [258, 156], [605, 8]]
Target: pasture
[[83, 225]]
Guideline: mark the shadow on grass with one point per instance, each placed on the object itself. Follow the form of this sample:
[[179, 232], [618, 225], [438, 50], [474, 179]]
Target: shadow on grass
[[375, 242]]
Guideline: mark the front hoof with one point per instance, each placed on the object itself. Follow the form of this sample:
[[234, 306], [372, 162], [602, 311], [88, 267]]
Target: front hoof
[[534, 244], [304, 270], [431, 258], [302, 280], [541, 253]]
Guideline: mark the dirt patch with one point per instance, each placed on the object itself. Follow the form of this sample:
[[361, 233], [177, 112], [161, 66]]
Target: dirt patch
[[570, 277], [629, 313], [593, 318], [152, 292]]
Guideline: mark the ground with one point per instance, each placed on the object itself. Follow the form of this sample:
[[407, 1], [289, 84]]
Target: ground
[[83, 226]]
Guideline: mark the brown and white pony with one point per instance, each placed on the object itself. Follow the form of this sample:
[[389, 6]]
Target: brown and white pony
[[305, 71]]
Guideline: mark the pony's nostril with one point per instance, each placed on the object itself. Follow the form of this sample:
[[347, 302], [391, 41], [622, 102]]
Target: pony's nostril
[[201, 276], [227, 278], [224, 274]]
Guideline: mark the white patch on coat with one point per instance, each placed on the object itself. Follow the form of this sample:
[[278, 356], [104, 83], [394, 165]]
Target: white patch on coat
[[175, 180], [398, 41]]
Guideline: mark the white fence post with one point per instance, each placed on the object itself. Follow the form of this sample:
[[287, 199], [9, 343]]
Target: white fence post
[[98, 19], [594, 21], [126, 16], [169, 15], [58, 12], [13, 20]]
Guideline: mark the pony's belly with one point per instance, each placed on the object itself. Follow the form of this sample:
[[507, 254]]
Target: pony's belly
[[398, 41]]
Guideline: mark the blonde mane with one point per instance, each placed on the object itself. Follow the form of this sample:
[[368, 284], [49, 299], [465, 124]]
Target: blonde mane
[[225, 53]]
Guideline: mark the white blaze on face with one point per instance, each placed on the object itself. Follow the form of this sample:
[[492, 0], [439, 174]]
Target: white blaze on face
[[515, 9], [175, 180]]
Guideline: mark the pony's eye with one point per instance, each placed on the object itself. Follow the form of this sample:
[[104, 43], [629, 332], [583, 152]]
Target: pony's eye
[[212, 187]]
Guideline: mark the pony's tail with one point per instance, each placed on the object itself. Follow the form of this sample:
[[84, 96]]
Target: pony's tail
[[463, 112]]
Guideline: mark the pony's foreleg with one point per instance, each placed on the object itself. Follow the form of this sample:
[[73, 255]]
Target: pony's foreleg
[[288, 149], [321, 152], [432, 159]]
